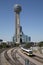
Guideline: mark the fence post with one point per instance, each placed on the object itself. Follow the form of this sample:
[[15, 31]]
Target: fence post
[[26, 61]]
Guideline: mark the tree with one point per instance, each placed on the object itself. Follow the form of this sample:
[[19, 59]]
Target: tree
[[40, 44], [4, 45], [27, 45], [0, 46]]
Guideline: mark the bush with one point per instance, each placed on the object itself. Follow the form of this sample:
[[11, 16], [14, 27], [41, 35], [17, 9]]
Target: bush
[[0, 46], [40, 44], [16, 45], [27, 45], [8, 46]]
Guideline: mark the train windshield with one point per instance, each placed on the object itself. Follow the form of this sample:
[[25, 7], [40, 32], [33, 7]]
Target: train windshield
[[30, 52]]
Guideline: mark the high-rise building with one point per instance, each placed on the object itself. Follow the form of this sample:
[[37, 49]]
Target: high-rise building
[[23, 37], [19, 36]]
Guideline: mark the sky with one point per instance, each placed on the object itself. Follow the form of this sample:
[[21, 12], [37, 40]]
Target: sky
[[31, 19]]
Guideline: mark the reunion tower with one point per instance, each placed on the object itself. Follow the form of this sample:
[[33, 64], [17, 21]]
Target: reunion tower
[[17, 10]]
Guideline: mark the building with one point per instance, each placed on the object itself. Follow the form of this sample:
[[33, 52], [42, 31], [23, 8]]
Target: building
[[19, 36], [1, 41], [23, 37]]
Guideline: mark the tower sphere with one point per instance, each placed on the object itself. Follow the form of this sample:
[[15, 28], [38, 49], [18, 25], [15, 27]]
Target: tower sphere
[[17, 8]]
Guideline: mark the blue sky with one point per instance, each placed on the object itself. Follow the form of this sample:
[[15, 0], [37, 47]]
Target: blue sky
[[31, 19]]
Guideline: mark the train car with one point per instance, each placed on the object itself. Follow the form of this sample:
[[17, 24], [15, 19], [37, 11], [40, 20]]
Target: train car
[[27, 51]]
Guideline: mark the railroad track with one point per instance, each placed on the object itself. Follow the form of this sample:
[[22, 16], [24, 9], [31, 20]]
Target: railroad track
[[31, 63], [8, 58], [15, 62], [38, 58], [13, 54], [1, 50]]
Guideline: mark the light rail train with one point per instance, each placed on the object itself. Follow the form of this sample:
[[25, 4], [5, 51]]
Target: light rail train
[[27, 51]]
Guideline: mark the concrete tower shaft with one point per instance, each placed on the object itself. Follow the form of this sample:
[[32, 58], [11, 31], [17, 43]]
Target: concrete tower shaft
[[17, 28], [17, 9]]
